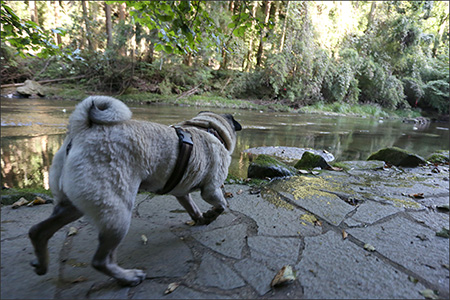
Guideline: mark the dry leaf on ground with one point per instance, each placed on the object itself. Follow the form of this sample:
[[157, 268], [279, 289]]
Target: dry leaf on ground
[[21, 202], [285, 275], [171, 287]]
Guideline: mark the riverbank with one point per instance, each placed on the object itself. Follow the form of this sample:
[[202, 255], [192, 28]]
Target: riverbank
[[208, 100], [360, 233]]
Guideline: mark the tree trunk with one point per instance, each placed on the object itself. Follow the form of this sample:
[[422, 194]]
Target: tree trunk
[[33, 12], [122, 8], [263, 33], [57, 23], [248, 59], [283, 35], [371, 15], [440, 35], [86, 25], [108, 24]]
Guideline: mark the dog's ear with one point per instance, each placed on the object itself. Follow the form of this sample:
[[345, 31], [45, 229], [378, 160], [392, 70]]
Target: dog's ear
[[233, 122]]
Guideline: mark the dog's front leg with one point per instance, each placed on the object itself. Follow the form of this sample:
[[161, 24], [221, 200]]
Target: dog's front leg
[[214, 197], [192, 209]]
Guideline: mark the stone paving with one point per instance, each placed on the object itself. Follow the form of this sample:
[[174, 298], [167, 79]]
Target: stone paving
[[300, 221]]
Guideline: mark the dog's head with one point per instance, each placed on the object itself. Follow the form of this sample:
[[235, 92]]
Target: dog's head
[[225, 125]]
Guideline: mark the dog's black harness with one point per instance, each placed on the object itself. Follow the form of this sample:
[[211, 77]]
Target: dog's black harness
[[185, 145]]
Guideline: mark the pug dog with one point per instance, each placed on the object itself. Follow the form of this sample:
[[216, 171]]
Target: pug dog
[[107, 158]]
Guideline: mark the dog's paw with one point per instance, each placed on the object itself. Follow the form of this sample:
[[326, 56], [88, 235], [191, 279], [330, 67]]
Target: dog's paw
[[211, 215], [132, 277], [38, 268]]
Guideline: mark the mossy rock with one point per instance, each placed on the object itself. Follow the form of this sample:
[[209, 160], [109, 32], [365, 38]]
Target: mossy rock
[[397, 157], [311, 161], [265, 166], [439, 157]]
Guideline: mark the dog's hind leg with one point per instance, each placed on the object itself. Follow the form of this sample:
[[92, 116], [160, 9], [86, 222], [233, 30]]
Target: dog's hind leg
[[214, 197], [104, 259], [191, 208], [63, 213]]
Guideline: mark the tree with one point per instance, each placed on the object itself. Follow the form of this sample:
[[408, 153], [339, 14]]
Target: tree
[[263, 33], [108, 25]]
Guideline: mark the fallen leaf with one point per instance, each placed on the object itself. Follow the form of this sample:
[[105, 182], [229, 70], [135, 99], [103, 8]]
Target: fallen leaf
[[79, 279], [255, 191], [429, 294], [443, 233], [335, 169], [144, 239], [413, 279], [443, 207], [369, 247], [284, 276], [344, 234], [416, 196], [229, 195], [171, 287], [72, 231], [239, 192], [317, 223], [190, 223], [36, 201], [21, 202], [436, 170], [422, 237]]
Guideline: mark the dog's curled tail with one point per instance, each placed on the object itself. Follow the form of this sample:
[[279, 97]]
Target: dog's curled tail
[[98, 110]]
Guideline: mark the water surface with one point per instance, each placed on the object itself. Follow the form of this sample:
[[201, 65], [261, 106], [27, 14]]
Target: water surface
[[33, 130]]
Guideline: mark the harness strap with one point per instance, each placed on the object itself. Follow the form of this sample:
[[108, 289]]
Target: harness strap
[[185, 145]]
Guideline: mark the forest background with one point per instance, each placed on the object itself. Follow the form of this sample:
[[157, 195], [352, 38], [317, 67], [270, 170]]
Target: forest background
[[381, 54]]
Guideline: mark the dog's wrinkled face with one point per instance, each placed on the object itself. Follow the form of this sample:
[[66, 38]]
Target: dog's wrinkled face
[[235, 124], [230, 119]]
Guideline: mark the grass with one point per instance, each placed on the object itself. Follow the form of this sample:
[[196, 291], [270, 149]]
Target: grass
[[366, 110], [76, 92]]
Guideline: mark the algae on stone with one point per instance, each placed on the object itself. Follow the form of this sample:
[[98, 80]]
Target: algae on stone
[[311, 161], [397, 157], [439, 157], [266, 166]]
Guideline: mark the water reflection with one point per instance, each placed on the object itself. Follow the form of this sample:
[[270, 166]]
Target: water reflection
[[26, 161], [33, 130]]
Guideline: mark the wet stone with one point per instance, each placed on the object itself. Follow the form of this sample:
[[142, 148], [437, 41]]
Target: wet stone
[[310, 194], [280, 250], [422, 256], [273, 215], [288, 154], [341, 266], [370, 212], [228, 241], [361, 165], [215, 273], [257, 275]]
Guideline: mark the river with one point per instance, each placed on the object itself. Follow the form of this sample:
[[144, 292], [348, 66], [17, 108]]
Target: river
[[32, 130]]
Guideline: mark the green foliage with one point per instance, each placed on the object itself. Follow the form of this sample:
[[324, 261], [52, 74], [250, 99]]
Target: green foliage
[[26, 36]]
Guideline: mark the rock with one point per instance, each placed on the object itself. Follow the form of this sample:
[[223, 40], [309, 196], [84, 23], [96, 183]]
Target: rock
[[439, 157], [265, 166], [397, 157], [30, 88], [287, 154], [311, 161], [360, 165]]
